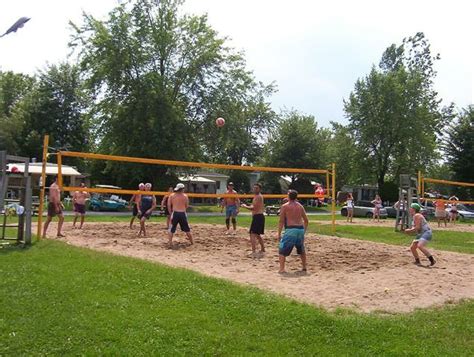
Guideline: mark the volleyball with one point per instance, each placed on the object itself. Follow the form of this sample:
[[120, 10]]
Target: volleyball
[[220, 122]]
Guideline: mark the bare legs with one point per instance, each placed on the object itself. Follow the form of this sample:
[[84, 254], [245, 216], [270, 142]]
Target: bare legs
[[234, 224], [439, 219], [60, 225], [419, 245], [75, 220], [453, 217], [350, 214], [253, 241], [282, 260], [142, 227], [189, 236]]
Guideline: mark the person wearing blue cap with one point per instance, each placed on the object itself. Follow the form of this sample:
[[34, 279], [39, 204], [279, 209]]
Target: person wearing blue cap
[[423, 234]]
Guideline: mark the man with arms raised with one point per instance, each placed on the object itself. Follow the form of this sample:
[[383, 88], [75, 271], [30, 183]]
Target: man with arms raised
[[79, 202], [178, 203], [55, 207], [293, 218], [231, 205], [257, 227]]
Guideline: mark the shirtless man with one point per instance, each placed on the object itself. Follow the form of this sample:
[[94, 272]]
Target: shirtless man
[[178, 203], [164, 207], [79, 202], [231, 205], [134, 203], [55, 207], [146, 205], [293, 218], [257, 227]]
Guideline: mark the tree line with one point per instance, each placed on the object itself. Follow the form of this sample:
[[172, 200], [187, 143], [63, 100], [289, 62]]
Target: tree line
[[149, 82]]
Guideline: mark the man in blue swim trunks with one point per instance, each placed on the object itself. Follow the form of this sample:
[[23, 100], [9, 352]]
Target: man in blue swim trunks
[[293, 218], [231, 205]]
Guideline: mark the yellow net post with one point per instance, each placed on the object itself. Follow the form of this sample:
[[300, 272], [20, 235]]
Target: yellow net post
[[333, 198], [43, 185], [60, 171], [420, 191]]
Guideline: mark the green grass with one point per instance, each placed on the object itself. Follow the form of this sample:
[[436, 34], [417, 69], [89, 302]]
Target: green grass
[[58, 299]]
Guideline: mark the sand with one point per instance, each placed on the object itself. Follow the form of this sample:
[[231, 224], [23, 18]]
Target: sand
[[359, 275]]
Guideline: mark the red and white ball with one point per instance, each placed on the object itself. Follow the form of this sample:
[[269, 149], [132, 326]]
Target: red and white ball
[[220, 122]]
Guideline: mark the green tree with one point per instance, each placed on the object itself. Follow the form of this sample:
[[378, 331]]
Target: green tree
[[296, 141], [54, 106], [343, 152], [160, 80], [394, 112], [13, 88], [460, 148]]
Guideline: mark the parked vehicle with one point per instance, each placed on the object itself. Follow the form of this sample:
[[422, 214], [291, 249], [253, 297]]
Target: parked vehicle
[[106, 201], [272, 210], [364, 209]]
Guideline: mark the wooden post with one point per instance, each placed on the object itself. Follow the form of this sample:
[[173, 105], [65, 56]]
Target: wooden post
[[60, 171], [333, 201], [43, 185]]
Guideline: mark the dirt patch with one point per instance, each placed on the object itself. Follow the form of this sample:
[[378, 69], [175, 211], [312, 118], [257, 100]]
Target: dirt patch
[[349, 273], [459, 227]]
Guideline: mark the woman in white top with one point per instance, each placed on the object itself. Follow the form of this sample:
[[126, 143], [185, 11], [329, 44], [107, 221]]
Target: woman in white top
[[350, 207], [453, 211], [377, 202]]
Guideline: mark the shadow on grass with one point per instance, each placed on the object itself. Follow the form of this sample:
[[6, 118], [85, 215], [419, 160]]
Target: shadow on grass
[[7, 247]]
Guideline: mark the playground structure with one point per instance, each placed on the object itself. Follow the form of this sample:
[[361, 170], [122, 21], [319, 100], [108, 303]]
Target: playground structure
[[21, 182], [330, 175], [407, 194]]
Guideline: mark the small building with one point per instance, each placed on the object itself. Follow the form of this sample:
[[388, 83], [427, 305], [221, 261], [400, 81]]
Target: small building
[[361, 192], [199, 184], [71, 176], [219, 179]]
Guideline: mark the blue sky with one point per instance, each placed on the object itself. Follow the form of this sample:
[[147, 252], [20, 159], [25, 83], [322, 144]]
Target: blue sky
[[313, 50]]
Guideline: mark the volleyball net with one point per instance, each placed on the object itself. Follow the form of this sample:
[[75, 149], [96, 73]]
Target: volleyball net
[[424, 181], [328, 176]]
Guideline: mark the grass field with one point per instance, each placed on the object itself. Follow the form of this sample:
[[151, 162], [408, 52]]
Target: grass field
[[58, 299]]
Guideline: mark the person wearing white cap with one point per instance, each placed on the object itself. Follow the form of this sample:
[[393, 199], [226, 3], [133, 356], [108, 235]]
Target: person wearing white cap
[[178, 203], [146, 205]]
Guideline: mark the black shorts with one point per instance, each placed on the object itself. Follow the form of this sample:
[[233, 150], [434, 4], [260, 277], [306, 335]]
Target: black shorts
[[144, 209], [135, 210], [78, 208], [181, 219], [53, 210], [166, 211], [258, 224]]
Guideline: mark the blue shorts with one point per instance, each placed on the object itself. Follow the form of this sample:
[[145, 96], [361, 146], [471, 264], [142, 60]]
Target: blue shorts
[[426, 236], [231, 211], [293, 237]]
